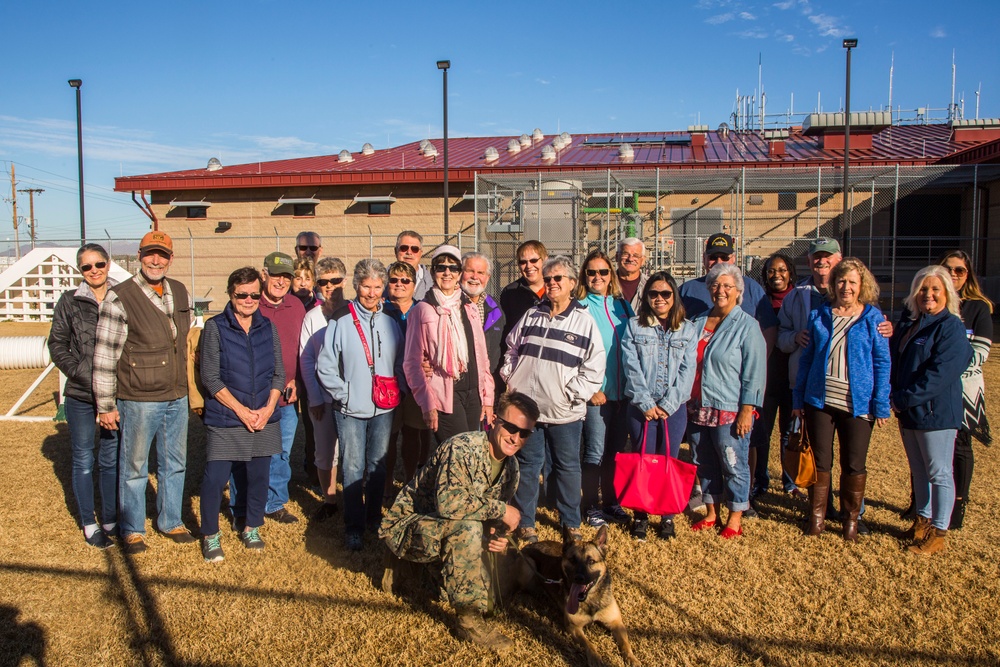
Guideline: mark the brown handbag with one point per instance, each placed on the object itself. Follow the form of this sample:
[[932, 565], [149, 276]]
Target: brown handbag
[[797, 457]]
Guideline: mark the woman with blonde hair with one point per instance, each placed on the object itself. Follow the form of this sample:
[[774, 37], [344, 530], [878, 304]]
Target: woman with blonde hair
[[842, 388], [930, 353]]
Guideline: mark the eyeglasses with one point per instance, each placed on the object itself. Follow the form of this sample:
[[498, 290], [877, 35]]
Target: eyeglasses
[[404, 281], [772, 272], [558, 279], [719, 257], [719, 287], [323, 282], [514, 429], [408, 248], [628, 255], [310, 248], [525, 262], [239, 296], [593, 272], [957, 270], [101, 265], [663, 294], [442, 268]]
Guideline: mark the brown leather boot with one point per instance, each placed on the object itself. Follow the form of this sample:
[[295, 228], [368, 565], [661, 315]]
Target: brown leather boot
[[852, 492], [818, 495], [473, 628], [935, 541], [918, 531]]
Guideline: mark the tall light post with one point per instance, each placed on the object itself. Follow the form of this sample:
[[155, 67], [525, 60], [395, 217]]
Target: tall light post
[[848, 44], [76, 83], [443, 65]]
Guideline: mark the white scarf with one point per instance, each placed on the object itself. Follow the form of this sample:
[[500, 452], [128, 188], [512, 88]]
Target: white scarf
[[453, 346]]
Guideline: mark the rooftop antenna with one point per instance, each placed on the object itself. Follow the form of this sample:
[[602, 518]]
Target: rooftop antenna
[[892, 64], [760, 87], [951, 108], [819, 106], [978, 93]]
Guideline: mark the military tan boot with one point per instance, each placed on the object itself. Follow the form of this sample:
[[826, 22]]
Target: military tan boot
[[918, 531], [935, 541], [472, 628]]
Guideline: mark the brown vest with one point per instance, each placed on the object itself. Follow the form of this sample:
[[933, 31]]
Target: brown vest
[[153, 365]]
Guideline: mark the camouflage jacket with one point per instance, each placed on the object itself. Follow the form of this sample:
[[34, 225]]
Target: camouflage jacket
[[454, 484]]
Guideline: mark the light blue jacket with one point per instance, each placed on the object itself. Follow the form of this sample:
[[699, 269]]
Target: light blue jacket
[[612, 330], [659, 365], [734, 368], [867, 363], [342, 365]]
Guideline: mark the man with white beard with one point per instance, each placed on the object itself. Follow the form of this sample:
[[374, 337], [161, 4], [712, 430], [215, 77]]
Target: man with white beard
[[475, 278]]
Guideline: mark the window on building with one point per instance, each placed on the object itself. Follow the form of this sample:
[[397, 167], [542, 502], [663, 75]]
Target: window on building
[[787, 201], [304, 210], [379, 208], [197, 212]]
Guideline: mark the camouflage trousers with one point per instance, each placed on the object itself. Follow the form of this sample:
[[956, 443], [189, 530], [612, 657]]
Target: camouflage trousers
[[458, 547]]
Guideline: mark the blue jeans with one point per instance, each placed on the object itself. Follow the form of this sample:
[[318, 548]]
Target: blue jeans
[[603, 437], [562, 442], [281, 469], [722, 465], [82, 419], [930, 454], [363, 447], [141, 421]]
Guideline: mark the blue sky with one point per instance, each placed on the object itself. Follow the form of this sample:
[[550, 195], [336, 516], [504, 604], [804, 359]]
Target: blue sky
[[169, 85]]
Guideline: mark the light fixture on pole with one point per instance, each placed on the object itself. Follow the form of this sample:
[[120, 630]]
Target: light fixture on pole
[[849, 44], [76, 83], [443, 65]]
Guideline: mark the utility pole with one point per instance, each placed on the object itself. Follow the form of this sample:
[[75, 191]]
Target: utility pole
[[31, 211], [13, 202]]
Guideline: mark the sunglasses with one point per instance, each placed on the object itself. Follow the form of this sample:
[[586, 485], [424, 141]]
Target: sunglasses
[[310, 248], [101, 265], [593, 272], [558, 279], [408, 248], [957, 270], [441, 268], [239, 296], [525, 262], [404, 281], [663, 294], [514, 429], [323, 282]]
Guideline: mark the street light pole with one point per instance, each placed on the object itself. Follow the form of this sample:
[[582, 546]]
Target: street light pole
[[443, 65], [76, 83], [848, 44]]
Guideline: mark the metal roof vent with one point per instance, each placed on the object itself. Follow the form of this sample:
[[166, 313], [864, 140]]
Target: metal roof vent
[[625, 152], [492, 155], [537, 135], [525, 141], [430, 150], [367, 149], [345, 156], [548, 153], [214, 164], [558, 143], [567, 138], [513, 146], [723, 130], [424, 143]]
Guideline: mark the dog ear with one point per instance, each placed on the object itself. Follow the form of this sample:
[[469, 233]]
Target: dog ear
[[602, 537], [567, 536]]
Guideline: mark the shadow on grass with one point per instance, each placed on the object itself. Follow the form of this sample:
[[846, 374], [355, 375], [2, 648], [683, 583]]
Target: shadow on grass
[[20, 643]]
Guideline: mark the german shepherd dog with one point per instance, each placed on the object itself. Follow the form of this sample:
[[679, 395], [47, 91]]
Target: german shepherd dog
[[580, 569]]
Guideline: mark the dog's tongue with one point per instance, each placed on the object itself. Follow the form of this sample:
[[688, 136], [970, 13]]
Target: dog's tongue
[[573, 603]]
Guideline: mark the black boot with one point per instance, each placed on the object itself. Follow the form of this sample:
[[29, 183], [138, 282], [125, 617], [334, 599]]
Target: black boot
[[958, 514]]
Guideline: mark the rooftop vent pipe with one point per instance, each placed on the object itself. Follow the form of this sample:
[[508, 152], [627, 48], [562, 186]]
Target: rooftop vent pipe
[[524, 140], [367, 149], [345, 156], [537, 135], [492, 155], [625, 152], [548, 153], [513, 146], [214, 164]]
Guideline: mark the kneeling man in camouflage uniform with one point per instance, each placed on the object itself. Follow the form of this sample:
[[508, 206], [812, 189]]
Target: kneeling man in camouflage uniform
[[454, 507]]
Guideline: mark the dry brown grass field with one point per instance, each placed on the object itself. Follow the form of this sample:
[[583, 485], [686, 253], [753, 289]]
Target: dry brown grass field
[[772, 598]]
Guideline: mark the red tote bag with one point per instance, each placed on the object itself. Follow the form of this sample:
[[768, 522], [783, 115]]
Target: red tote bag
[[653, 483]]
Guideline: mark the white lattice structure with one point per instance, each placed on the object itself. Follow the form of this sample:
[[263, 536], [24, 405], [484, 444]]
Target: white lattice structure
[[30, 288]]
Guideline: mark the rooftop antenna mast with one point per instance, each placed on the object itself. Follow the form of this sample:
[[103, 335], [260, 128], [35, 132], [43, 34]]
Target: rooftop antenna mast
[[892, 64], [951, 107], [978, 93]]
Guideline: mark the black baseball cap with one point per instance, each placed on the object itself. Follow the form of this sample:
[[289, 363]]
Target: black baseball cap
[[720, 244]]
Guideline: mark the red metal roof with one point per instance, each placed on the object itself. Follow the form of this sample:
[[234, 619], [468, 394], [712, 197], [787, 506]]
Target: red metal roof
[[904, 144]]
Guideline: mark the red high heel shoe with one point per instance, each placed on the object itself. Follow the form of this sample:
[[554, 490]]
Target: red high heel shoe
[[704, 524]]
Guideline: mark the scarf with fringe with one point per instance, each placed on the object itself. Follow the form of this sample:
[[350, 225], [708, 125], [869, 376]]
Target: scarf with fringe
[[453, 346]]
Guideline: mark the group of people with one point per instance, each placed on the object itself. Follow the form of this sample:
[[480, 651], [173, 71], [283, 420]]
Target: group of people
[[559, 374]]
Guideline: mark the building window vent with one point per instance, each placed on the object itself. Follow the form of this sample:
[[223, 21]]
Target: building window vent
[[756, 200], [787, 201]]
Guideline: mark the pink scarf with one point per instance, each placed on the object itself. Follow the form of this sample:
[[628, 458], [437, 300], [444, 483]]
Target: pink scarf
[[453, 346]]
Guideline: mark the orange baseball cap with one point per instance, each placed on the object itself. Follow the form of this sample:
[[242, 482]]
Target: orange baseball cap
[[156, 241]]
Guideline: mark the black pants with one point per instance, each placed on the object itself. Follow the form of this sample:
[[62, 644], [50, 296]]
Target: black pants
[[963, 464], [251, 475], [853, 433], [466, 409]]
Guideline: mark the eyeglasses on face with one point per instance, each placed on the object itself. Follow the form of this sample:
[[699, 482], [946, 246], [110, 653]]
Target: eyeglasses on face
[[722, 287], [956, 270], [628, 255], [514, 429], [96, 265], [662, 294], [526, 261], [558, 279], [402, 281], [594, 272], [776, 271], [408, 248], [323, 282], [240, 296], [310, 248], [442, 268]]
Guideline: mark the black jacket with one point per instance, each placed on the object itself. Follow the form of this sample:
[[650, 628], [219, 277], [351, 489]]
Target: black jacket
[[515, 300], [72, 337]]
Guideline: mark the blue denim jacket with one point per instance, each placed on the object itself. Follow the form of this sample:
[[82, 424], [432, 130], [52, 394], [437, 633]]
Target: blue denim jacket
[[867, 363], [734, 368], [659, 365]]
